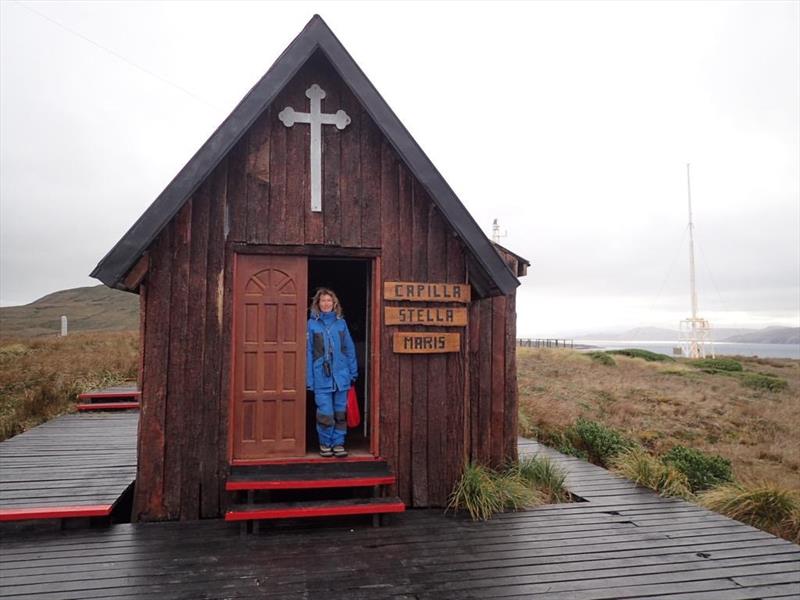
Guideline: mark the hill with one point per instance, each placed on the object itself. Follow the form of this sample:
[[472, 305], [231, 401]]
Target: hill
[[97, 308], [770, 335]]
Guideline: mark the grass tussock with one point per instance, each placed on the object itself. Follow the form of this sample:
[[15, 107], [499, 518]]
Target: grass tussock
[[638, 465], [40, 378], [483, 492], [543, 474], [766, 506]]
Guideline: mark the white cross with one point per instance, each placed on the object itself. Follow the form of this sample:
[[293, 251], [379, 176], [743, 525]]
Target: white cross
[[316, 118]]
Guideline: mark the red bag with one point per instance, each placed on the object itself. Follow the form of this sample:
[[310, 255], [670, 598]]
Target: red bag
[[353, 415]]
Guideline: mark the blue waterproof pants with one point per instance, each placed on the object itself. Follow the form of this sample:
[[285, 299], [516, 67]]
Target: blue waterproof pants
[[331, 417]]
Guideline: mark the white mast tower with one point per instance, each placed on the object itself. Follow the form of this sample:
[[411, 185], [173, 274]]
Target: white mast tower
[[695, 331]]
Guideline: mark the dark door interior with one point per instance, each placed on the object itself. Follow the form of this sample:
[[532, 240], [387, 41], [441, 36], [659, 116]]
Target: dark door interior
[[349, 279]]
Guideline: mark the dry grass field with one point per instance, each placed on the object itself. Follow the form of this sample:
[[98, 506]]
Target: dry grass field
[[664, 404], [41, 377]]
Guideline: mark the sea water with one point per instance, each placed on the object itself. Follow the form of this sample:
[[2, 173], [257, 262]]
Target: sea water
[[720, 348]]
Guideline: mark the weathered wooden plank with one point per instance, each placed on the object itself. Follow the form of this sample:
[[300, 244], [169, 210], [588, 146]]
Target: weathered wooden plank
[[370, 144], [405, 391], [175, 441], [279, 150], [457, 398], [210, 403], [498, 379], [390, 267], [474, 379], [485, 431], [322, 226], [226, 362], [290, 229], [236, 214], [510, 409], [438, 420], [195, 352], [350, 171], [257, 178], [148, 497], [419, 443], [142, 321]]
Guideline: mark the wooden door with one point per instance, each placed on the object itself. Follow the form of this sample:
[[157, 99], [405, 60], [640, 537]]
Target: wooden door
[[269, 391]]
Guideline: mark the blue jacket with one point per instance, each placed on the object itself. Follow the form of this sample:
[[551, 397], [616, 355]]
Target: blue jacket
[[327, 336]]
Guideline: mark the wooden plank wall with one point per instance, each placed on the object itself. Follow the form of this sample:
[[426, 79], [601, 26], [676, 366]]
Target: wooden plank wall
[[182, 388], [437, 411]]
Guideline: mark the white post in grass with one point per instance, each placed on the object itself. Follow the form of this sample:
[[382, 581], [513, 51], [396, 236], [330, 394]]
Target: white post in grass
[[63, 325]]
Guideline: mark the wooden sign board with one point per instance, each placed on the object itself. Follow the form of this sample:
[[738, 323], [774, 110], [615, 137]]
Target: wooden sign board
[[408, 342], [412, 291], [432, 316]]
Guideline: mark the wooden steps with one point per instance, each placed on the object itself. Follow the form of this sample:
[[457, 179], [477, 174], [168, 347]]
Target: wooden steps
[[311, 489], [331, 473], [315, 508], [124, 397]]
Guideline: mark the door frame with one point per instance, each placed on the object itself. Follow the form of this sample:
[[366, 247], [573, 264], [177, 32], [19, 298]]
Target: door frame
[[373, 359]]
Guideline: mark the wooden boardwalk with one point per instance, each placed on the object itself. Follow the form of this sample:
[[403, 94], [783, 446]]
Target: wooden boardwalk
[[76, 465], [625, 542]]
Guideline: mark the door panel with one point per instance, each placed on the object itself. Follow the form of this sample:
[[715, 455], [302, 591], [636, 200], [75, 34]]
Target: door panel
[[269, 357]]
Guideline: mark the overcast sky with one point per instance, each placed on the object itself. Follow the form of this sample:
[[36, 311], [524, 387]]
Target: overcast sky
[[571, 123]]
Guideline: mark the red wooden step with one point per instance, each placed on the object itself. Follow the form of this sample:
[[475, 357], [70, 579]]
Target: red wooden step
[[108, 406], [311, 475], [54, 512], [319, 508], [121, 392]]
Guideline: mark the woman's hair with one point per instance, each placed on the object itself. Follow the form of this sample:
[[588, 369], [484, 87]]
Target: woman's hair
[[315, 310]]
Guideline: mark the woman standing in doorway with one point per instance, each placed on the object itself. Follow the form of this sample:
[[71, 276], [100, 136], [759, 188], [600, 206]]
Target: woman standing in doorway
[[331, 369]]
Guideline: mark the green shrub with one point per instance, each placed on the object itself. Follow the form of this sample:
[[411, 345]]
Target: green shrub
[[761, 381], [483, 492], [601, 443], [717, 364], [543, 474], [763, 505], [602, 358], [703, 471], [641, 467], [562, 441], [643, 354]]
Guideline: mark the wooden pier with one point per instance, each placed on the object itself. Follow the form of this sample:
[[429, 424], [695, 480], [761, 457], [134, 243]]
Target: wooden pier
[[545, 343], [76, 465], [623, 541]]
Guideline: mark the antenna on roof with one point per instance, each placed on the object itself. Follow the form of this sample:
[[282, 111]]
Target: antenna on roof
[[496, 235]]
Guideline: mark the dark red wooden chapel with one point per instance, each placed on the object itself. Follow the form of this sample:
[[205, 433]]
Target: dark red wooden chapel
[[313, 181]]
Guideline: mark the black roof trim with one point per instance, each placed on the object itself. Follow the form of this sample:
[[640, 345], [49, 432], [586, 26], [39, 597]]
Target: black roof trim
[[488, 272]]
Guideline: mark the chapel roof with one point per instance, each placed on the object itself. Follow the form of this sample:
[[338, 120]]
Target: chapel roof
[[488, 272]]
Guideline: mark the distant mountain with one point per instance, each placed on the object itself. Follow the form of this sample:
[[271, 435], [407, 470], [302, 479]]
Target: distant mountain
[[637, 334], [97, 308], [770, 335]]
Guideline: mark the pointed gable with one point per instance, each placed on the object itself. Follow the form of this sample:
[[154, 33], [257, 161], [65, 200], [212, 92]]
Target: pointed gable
[[314, 48]]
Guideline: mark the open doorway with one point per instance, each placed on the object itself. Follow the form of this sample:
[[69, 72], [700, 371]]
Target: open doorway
[[350, 280]]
